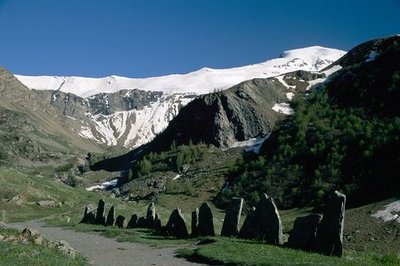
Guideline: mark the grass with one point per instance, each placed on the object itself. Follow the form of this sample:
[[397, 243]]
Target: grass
[[27, 253], [231, 251]]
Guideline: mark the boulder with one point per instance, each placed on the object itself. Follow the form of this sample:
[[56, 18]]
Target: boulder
[[206, 224], [176, 225], [232, 218], [120, 221], [330, 229], [304, 233], [195, 223], [100, 214], [111, 217], [151, 215], [133, 221], [263, 223], [32, 235]]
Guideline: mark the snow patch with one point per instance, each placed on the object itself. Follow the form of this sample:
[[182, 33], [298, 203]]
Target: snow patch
[[290, 95], [283, 82], [252, 145], [390, 212], [176, 177], [103, 186], [283, 108]]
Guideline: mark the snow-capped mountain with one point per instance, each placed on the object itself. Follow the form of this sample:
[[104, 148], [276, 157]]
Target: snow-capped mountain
[[131, 111]]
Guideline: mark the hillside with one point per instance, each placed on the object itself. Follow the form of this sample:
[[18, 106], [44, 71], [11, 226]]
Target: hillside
[[345, 135]]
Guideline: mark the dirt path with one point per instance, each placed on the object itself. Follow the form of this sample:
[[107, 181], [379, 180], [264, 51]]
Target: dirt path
[[100, 250]]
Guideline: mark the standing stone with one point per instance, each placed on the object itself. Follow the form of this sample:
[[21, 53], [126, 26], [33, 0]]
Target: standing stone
[[141, 223], [120, 222], [88, 216], [176, 225], [206, 224], [151, 215], [304, 233], [232, 218], [247, 231], [330, 230], [157, 222], [264, 223], [195, 223], [100, 216], [110, 217], [132, 222]]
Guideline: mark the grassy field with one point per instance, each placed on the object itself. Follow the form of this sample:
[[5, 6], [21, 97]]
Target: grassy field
[[231, 251]]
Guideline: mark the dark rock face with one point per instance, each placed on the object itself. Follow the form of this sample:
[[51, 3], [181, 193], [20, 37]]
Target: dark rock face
[[330, 230], [304, 233], [264, 224], [100, 214], [232, 218], [195, 223], [176, 225], [206, 224], [151, 215], [141, 223], [133, 221], [241, 112], [110, 217], [120, 222]]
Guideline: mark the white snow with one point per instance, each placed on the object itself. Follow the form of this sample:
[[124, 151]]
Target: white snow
[[290, 95], [391, 212], [283, 108], [202, 81], [372, 56], [70, 117], [104, 185], [253, 144], [176, 177], [281, 80]]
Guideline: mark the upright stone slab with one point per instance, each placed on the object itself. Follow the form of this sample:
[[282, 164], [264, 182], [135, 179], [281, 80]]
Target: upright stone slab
[[330, 230], [247, 230], [195, 223], [111, 217], [151, 215], [304, 233], [133, 221], [206, 224], [142, 222], [264, 223], [176, 225], [100, 215], [88, 216], [232, 218], [157, 222], [120, 222]]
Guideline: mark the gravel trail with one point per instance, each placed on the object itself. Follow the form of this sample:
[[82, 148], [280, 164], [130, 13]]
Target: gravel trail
[[99, 250]]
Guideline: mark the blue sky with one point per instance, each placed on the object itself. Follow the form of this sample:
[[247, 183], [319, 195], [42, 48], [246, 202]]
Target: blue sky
[[153, 37]]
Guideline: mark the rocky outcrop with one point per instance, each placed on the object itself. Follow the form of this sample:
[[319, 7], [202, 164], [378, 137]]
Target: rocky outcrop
[[151, 215], [330, 230], [89, 217], [239, 113], [232, 218], [133, 221]]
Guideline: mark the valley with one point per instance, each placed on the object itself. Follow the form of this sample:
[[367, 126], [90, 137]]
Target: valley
[[298, 128]]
